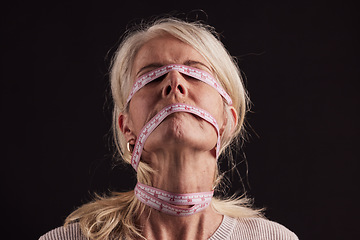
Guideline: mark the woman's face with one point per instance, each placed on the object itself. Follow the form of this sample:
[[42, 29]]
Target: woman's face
[[178, 129]]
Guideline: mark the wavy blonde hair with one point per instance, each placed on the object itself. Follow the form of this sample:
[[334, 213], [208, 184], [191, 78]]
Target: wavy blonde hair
[[117, 215]]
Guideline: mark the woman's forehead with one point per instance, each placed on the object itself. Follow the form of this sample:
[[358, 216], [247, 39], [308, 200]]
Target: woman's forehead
[[162, 51]]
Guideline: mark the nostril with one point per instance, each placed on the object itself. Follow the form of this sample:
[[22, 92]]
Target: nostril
[[168, 90], [181, 89]]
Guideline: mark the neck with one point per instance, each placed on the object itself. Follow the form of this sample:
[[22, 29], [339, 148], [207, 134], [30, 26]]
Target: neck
[[185, 171], [159, 225], [180, 169]]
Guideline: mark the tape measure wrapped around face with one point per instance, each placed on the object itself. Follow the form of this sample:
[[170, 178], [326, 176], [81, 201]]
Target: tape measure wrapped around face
[[157, 198]]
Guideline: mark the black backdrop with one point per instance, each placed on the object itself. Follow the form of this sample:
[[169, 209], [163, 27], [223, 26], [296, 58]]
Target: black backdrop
[[300, 60]]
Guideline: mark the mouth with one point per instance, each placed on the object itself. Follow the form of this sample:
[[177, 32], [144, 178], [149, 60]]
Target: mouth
[[173, 113]]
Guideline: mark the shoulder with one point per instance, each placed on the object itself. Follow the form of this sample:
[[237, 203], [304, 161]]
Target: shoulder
[[260, 228], [70, 232]]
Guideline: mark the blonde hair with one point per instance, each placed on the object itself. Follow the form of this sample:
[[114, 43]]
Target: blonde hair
[[117, 215]]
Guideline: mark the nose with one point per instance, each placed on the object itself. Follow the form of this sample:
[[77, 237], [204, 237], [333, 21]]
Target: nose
[[175, 83]]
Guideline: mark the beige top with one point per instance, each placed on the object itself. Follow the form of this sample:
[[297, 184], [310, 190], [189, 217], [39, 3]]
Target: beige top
[[229, 229]]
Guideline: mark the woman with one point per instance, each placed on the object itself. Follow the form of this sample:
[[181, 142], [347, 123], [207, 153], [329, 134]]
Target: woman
[[179, 104]]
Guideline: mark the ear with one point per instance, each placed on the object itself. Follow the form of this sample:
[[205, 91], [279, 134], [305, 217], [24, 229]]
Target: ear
[[124, 126], [235, 117]]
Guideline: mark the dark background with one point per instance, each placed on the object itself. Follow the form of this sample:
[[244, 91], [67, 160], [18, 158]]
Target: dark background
[[300, 59]]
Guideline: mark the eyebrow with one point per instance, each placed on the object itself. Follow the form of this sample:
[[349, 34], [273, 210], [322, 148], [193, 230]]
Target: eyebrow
[[157, 65], [151, 65], [192, 63]]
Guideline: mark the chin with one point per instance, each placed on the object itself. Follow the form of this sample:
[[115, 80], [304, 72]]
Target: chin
[[184, 130]]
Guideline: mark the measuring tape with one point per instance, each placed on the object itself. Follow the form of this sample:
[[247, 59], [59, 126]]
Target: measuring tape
[[159, 117], [158, 199], [169, 203], [189, 71]]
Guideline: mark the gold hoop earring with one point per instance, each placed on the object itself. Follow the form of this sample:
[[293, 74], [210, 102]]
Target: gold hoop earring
[[129, 147]]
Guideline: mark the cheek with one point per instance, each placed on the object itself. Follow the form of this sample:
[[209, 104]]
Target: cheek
[[138, 112], [211, 101]]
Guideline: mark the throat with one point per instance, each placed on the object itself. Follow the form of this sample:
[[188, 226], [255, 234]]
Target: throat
[[183, 172], [172, 203], [157, 225]]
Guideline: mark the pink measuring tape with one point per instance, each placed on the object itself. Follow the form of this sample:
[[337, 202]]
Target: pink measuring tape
[[169, 202], [190, 71], [158, 199], [159, 117]]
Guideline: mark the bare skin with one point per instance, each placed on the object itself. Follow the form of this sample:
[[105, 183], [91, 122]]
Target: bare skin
[[181, 149]]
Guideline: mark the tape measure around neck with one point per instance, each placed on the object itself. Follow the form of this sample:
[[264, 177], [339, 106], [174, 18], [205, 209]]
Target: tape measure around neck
[[170, 203]]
